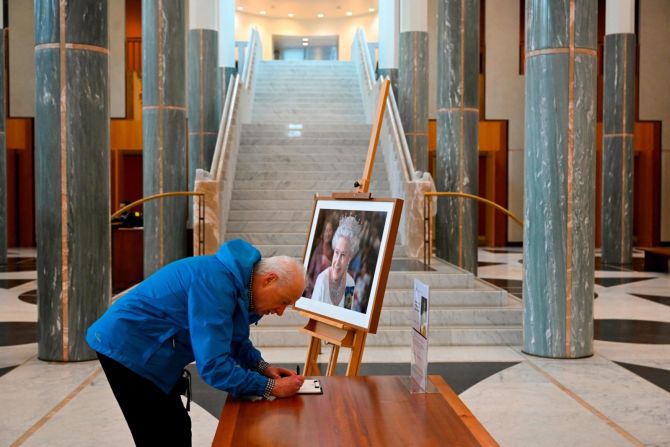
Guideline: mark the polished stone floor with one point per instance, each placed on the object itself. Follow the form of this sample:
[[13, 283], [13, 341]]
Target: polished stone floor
[[620, 396]]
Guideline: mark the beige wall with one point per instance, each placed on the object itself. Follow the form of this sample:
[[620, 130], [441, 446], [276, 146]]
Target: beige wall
[[344, 28], [654, 92], [505, 95], [22, 59]]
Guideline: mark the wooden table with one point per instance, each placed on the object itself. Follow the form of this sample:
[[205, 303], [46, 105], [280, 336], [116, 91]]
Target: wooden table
[[354, 411]]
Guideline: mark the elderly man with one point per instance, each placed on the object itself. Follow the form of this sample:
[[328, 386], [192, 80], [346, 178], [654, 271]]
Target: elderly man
[[200, 309]]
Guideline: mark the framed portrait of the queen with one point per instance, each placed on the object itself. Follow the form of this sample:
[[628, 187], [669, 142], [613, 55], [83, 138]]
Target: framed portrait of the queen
[[347, 259]]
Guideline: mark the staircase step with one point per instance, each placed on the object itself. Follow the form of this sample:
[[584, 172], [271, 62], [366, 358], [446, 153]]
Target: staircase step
[[438, 335], [456, 317], [450, 336], [295, 87], [291, 238], [307, 166], [316, 149], [250, 194], [294, 226], [301, 175], [322, 127], [263, 157], [342, 118], [249, 140], [295, 251], [270, 238], [300, 184], [280, 99], [394, 317], [453, 279], [270, 215], [270, 131], [448, 297], [262, 204]]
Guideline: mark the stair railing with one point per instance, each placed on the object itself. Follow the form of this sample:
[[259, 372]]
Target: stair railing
[[217, 183], [405, 182]]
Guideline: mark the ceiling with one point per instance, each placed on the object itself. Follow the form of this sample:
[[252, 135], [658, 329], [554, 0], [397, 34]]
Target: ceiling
[[307, 9]]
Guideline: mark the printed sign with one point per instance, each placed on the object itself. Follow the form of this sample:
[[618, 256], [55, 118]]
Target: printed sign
[[420, 335]]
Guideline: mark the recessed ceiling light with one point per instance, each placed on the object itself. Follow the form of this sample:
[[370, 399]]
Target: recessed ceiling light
[[349, 13], [304, 44], [320, 15], [371, 9], [240, 8], [290, 14], [263, 13], [305, 39]]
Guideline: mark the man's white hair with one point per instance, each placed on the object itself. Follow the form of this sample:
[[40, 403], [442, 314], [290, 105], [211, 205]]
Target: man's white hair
[[284, 266]]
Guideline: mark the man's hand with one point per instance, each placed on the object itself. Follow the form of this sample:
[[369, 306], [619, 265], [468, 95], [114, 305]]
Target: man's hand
[[274, 372], [287, 386]]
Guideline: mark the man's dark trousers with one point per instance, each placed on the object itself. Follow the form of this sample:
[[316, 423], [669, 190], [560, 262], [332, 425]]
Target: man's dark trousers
[[154, 418]]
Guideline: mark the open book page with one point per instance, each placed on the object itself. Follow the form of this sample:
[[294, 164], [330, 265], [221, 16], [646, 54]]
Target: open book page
[[311, 386]]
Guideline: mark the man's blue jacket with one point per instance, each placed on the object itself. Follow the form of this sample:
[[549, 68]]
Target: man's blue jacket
[[192, 309]]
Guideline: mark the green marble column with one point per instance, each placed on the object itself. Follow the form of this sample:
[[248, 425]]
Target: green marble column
[[3, 156], [413, 94], [71, 174], [203, 123], [559, 177], [618, 129], [457, 157], [164, 131]]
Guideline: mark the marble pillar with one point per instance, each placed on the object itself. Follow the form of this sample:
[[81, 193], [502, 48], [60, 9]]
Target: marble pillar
[[413, 79], [559, 177], [164, 131], [3, 155], [72, 144], [203, 124], [618, 129], [457, 157]]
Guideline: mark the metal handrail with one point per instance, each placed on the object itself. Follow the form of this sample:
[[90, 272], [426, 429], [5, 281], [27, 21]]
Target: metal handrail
[[367, 59], [218, 147], [226, 132], [428, 216], [201, 211], [252, 56], [396, 125]]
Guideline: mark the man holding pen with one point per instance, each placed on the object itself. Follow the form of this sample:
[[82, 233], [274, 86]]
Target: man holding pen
[[200, 309]]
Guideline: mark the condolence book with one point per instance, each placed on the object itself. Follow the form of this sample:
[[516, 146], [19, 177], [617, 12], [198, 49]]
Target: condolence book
[[311, 386]]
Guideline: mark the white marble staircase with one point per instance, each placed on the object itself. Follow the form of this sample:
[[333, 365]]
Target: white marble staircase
[[308, 135]]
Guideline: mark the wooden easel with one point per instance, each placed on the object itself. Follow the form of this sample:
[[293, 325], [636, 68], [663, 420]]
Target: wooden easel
[[323, 328]]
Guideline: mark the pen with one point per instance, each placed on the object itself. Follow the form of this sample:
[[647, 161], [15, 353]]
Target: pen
[[297, 369]]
